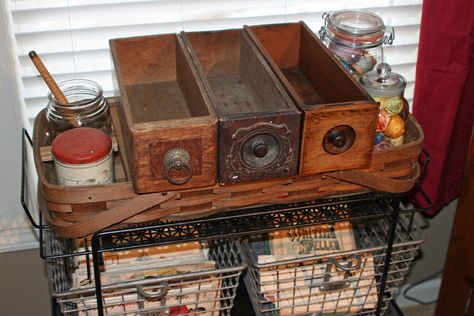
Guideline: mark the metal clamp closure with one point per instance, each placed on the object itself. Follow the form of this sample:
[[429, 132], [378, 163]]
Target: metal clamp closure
[[390, 35]]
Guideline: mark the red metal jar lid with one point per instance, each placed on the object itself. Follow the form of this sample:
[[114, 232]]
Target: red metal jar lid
[[81, 145]]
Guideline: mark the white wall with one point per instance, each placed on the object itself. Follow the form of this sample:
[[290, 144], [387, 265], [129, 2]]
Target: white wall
[[15, 233]]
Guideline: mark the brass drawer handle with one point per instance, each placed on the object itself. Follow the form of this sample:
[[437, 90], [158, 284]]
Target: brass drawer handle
[[177, 159]]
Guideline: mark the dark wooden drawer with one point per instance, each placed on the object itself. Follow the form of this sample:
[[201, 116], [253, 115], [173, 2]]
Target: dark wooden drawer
[[339, 116], [259, 125], [169, 124]]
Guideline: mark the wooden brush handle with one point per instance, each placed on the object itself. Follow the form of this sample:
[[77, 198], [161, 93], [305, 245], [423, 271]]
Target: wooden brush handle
[[48, 79]]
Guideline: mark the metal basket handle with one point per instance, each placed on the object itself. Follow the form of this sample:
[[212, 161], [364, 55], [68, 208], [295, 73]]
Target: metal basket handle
[[328, 285], [349, 266], [153, 297]]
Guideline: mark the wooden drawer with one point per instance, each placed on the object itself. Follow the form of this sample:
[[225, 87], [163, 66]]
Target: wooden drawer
[[259, 125], [169, 124], [339, 116]]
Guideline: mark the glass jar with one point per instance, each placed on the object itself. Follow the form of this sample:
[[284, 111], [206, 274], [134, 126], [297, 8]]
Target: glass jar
[[387, 88], [87, 107], [356, 37]]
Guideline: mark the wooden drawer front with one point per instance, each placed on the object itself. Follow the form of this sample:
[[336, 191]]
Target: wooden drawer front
[[338, 137], [169, 123], [332, 101], [175, 158], [258, 148], [259, 124]]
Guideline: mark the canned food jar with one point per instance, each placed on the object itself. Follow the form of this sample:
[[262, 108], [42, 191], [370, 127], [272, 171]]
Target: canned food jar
[[388, 88], [87, 107], [83, 156], [356, 37]]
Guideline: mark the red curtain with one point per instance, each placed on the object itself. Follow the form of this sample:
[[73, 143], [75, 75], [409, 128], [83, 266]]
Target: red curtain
[[444, 95]]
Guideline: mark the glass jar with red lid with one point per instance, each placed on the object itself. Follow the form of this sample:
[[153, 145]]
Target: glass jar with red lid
[[356, 37]]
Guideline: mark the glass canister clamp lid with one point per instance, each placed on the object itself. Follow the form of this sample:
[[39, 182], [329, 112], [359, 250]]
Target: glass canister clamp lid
[[356, 28], [383, 82]]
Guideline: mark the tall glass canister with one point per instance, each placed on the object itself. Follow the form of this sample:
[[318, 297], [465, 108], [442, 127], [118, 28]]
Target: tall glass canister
[[356, 37], [388, 88]]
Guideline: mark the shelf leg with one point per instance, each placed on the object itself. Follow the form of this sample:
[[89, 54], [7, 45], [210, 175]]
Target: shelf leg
[[391, 236], [96, 260]]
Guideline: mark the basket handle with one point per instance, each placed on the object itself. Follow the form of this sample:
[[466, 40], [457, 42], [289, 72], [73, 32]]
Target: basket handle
[[153, 297], [353, 263], [104, 219], [378, 182]]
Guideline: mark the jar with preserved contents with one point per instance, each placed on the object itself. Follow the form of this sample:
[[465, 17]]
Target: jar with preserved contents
[[387, 88], [87, 107], [356, 38]]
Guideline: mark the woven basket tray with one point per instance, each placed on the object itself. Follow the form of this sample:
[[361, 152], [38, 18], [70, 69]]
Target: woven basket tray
[[80, 211]]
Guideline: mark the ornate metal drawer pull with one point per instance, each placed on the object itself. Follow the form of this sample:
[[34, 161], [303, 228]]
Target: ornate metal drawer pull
[[178, 159]]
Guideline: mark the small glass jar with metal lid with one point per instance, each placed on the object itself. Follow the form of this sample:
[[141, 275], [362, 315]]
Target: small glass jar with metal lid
[[388, 88], [356, 37], [86, 107], [83, 156]]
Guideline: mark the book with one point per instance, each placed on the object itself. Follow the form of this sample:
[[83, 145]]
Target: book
[[308, 241]]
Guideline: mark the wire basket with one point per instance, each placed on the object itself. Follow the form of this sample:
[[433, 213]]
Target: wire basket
[[338, 282], [207, 292]]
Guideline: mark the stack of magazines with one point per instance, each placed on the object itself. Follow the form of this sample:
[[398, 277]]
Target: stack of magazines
[[315, 269], [174, 263]]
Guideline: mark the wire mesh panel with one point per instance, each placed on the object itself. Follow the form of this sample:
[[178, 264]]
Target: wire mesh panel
[[181, 289], [337, 281]]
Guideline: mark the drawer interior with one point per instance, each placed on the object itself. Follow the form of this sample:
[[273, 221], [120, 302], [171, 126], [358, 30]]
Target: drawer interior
[[235, 73], [157, 80], [303, 62]]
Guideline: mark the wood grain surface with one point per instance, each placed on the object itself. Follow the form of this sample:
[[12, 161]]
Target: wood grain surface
[[162, 107], [326, 93], [245, 93]]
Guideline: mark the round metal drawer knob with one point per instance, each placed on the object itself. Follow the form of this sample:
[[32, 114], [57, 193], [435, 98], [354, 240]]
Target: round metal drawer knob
[[339, 139], [260, 149]]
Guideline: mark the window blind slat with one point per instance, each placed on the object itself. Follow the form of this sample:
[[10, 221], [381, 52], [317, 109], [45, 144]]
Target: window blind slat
[[84, 17], [400, 54], [231, 9], [25, 5], [54, 42], [36, 86]]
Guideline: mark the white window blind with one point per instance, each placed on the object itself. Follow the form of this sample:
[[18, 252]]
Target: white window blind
[[71, 36]]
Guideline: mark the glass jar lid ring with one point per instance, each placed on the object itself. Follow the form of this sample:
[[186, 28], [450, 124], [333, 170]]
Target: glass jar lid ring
[[341, 20], [338, 36]]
